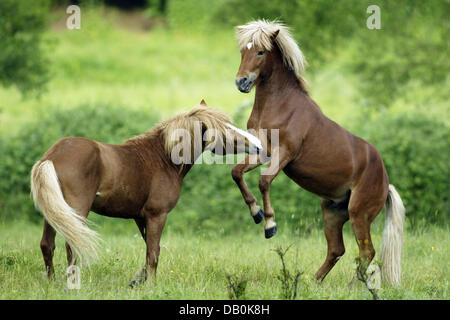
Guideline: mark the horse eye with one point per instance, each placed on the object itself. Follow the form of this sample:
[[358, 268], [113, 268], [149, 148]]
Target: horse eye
[[260, 53]]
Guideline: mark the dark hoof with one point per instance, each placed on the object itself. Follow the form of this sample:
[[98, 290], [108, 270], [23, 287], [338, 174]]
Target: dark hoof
[[269, 233], [133, 283], [258, 217]]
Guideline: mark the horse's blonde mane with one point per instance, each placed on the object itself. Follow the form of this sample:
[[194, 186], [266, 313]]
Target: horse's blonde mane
[[208, 117], [259, 33]]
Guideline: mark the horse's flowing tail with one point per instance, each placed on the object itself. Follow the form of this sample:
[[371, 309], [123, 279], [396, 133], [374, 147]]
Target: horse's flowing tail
[[48, 197], [391, 248]]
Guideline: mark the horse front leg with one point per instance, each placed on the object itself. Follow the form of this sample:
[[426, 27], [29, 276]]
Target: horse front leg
[[278, 161], [249, 163], [154, 225]]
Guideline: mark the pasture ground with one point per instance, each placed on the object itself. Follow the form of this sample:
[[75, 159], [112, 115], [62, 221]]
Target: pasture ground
[[195, 266]]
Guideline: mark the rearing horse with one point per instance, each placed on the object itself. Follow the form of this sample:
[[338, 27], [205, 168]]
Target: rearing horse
[[314, 151], [139, 179]]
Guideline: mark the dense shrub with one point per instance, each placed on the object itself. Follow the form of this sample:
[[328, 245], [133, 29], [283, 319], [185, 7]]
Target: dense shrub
[[409, 47], [23, 62]]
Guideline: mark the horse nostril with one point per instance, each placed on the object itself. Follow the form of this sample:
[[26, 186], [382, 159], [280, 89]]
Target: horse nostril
[[242, 83]]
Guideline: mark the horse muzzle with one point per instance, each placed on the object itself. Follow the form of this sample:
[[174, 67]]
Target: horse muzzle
[[244, 84]]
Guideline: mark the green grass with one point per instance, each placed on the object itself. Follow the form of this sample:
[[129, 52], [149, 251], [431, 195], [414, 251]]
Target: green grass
[[195, 266]]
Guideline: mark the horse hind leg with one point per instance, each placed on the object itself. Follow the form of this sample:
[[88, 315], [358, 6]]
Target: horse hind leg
[[79, 195], [48, 248], [363, 208], [70, 257], [81, 204], [334, 216]]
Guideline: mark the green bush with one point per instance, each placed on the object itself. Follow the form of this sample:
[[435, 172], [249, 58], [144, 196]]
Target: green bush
[[410, 47], [23, 62], [19, 153]]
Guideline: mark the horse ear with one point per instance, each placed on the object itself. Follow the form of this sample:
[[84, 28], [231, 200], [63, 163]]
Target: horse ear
[[275, 34], [203, 103]]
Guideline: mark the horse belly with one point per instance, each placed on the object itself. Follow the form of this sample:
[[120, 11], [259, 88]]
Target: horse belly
[[322, 182], [118, 204]]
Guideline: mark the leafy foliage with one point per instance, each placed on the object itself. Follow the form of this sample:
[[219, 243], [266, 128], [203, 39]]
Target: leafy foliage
[[23, 61], [410, 47]]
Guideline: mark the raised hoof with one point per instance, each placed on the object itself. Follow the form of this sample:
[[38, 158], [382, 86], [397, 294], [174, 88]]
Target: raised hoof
[[269, 233], [258, 217]]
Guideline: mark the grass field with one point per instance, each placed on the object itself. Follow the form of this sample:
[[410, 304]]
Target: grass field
[[195, 266]]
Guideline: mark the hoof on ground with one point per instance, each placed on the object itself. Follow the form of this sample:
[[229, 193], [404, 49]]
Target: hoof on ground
[[133, 283], [138, 279], [269, 233], [258, 217]]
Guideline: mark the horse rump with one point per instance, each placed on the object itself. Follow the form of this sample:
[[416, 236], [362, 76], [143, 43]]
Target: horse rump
[[49, 199]]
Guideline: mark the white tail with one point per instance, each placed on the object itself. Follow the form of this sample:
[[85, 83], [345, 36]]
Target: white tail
[[48, 197], [391, 248]]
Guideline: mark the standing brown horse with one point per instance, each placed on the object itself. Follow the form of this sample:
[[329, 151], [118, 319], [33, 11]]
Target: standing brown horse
[[140, 179], [315, 152]]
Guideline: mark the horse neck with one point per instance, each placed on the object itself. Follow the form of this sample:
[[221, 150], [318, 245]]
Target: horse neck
[[150, 148], [277, 81], [181, 169]]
